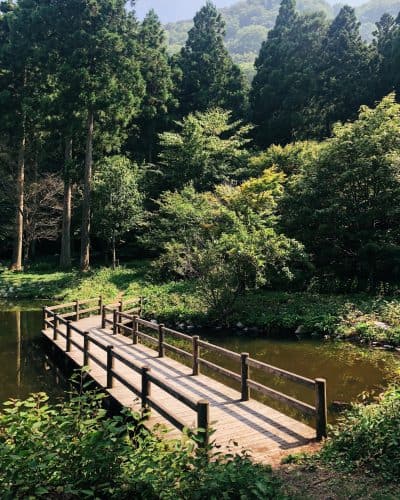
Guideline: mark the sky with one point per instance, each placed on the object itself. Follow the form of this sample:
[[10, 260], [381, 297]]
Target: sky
[[175, 10]]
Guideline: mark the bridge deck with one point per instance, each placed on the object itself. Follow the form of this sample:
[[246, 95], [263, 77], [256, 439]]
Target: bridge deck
[[264, 432]]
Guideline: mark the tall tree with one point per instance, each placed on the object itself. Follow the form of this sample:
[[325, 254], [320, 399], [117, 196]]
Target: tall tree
[[286, 76], [387, 62], [209, 76], [345, 72], [101, 75], [158, 102], [20, 96]]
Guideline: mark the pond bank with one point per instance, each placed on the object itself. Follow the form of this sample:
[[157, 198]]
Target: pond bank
[[363, 318]]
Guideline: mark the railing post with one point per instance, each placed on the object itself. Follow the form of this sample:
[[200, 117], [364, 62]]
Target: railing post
[[100, 304], [135, 328], [115, 316], [203, 422], [140, 306], [68, 337], [55, 326], [120, 309], [244, 357], [196, 355], [321, 408], [44, 318], [76, 310], [110, 366], [85, 348], [103, 317], [146, 386], [161, 340]]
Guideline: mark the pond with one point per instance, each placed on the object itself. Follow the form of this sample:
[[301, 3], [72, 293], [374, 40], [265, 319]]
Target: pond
[[349, 370]]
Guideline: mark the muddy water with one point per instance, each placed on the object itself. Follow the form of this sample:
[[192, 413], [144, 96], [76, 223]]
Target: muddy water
[[349, 370]]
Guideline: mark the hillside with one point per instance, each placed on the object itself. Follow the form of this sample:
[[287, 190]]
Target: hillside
[[174, 11], [248, 22]]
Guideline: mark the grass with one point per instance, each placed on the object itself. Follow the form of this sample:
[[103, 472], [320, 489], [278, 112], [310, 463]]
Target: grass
[[361, 317]]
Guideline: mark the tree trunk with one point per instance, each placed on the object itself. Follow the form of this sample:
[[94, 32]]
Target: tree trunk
[[114, 253], [16, 263], [65, 254], [85, 230]]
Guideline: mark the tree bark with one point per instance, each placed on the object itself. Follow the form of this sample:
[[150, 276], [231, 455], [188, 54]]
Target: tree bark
[[87, 188], [16, 263], [114, 253], [65, 254]]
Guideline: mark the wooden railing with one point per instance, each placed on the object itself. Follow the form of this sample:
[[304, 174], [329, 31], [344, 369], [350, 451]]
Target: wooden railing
[[130, 323], [53, 320]]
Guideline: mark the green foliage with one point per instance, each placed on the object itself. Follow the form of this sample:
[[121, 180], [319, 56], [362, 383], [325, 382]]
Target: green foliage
[[117, 202], [225, 240], [209, 77], [367, 437], [344, 206], [74, 450], [158, 102], [208, 149]]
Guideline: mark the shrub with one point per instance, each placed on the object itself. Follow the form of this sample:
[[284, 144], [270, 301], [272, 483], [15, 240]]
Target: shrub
[[74, 450], [368, 437]]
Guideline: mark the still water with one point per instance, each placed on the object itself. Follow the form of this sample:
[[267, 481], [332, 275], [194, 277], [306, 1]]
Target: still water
[[349, 370]]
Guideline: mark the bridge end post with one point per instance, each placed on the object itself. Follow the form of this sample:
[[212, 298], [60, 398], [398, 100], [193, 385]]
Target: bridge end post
[[203, 423], [44, 318], [110, 366], [161, 340], [321, 408], [196, 355], [244, 357]]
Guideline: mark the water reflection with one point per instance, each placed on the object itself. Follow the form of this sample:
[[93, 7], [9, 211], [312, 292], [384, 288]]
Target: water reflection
[[24, 365]]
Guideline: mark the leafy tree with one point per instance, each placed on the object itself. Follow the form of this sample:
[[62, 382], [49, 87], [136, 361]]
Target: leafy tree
[[387, 44], [100, 74], [209, 77], [20, 95], [345, 72], [286, 76], [226, 241], [158, 102], [116, 200], [208, 149], [344, 206]]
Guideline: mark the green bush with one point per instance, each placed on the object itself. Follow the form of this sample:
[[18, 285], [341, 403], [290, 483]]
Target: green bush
[[74, 450], [368, 437]]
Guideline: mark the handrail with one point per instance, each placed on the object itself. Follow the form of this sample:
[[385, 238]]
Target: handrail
[[122, 319], [200, 407]]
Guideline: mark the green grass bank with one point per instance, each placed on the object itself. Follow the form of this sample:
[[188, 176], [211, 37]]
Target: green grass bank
[[362, 318]]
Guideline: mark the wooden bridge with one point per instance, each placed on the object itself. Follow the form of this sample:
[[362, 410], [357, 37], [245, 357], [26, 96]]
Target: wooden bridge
[[145, 365]]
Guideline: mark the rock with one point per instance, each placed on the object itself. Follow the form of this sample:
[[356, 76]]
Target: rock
[[339, 406], [388, 347], [299, 330], [327, 337], [381, 325], [239, 325], [190, 327]]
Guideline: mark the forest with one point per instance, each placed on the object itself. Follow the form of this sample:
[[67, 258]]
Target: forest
[[248, 22], [262, 214], [108, 143]]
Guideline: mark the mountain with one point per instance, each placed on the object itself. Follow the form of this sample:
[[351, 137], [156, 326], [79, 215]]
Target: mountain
[[248, 22], [175, 10]]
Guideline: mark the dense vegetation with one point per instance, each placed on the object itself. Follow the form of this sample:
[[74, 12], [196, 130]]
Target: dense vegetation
[[249, 21], [177, 159], [75, 450]]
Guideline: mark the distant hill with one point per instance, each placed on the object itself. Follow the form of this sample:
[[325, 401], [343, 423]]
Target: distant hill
[[174, 10], [248, 22]]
